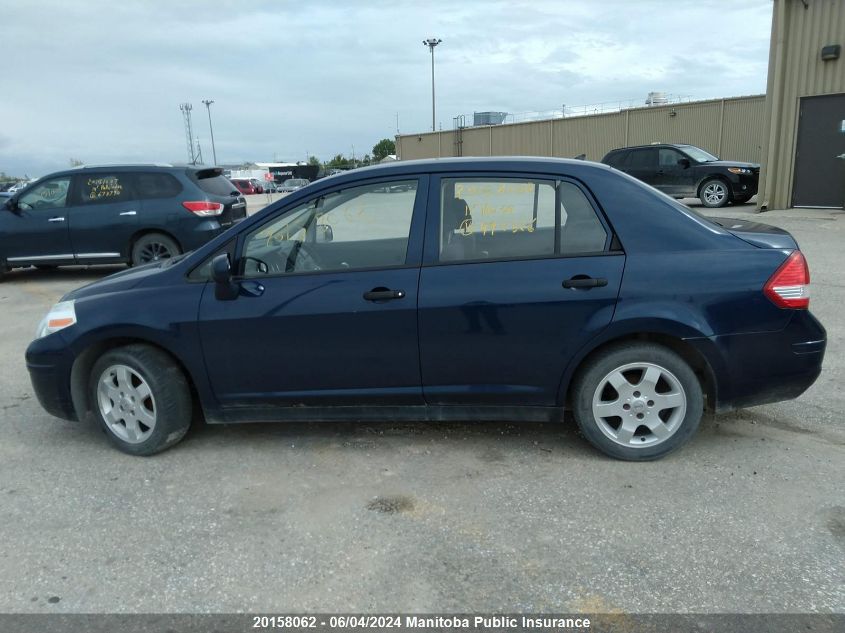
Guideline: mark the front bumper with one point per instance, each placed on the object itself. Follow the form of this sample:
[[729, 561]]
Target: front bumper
[[49, 364], [744, 185]]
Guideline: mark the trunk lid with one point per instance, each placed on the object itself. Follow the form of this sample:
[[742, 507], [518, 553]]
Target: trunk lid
[[758, 234]]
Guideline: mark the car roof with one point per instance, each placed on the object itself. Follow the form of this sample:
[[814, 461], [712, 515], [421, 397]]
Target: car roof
[[482, 163]]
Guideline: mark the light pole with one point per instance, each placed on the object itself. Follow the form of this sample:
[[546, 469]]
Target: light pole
[[431, 43], [208, 103]]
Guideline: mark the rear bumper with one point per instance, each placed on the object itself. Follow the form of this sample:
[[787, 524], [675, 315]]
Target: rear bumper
[[765, 367]]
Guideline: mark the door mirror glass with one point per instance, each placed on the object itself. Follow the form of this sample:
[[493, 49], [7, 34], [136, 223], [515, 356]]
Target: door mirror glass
[[221, 273]]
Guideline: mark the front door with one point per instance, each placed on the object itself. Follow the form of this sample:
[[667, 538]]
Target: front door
[[820, 153], [673, 178], [327, 312], [517, 276], [37, 230]]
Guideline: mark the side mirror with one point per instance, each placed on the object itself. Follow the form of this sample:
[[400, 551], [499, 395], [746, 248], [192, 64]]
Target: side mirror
[[324, 233], [11, 204], [221, 272], [684, 163]]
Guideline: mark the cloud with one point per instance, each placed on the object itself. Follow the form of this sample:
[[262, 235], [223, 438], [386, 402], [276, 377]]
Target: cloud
[[103, 80]]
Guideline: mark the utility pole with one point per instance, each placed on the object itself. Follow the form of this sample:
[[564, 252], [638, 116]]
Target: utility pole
[[189, 133], [431, 43], [208, 103]]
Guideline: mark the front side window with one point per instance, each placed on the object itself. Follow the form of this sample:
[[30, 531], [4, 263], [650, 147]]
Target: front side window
[[104, 188], [50, 194], [355, 228], [515, 218], [668, 158]]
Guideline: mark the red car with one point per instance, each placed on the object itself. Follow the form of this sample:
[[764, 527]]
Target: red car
[[245, 186]]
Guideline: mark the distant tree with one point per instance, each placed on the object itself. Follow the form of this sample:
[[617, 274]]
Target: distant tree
[[313, 160], [339, 162], [75, 162], [384, 147]]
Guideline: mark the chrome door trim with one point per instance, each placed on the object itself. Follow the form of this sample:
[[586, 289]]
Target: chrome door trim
[[132, 212], [97, 255], [39, 258]]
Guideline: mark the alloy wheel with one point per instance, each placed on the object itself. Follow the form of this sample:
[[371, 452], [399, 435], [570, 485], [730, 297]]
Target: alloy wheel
[[126, 403]]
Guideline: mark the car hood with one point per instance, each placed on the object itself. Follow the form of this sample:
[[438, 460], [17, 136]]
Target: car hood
[[731, 163], [123, 280]]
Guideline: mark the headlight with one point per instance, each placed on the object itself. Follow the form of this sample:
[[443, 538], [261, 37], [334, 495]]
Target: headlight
[[739, 170], [60, 316]]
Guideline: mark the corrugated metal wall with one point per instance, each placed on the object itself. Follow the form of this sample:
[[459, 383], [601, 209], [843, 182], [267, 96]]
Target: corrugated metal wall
[[732, 128], [799, 31]]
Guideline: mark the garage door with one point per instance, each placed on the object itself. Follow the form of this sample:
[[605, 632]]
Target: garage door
[[820, 153]]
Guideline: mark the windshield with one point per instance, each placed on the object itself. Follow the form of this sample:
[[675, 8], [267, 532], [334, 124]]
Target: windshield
[[698, 154]]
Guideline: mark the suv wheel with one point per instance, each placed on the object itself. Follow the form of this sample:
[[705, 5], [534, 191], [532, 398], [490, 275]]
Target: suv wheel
[[637, 401], [141, 399], [714, 193], [153, 247]]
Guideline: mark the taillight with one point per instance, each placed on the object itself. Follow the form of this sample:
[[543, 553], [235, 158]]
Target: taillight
[[204, 208], [789, 287]]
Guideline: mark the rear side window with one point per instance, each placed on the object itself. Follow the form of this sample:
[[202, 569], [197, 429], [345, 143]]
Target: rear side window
[[643, 159], [214, 182], [104, 188], [618, 159], [515, 218], [156, 185]]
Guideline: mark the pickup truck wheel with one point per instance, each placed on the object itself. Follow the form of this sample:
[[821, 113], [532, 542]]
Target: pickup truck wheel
[[153, 247], [637, 401], [140, 398], [714, 193]]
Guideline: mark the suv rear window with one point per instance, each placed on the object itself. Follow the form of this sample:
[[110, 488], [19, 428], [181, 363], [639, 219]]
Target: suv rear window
[[156, 185], [213, 181]]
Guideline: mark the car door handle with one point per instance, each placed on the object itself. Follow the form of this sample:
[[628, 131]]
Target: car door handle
[[383, 294], [56, 220], [133, 212], [582, 281]]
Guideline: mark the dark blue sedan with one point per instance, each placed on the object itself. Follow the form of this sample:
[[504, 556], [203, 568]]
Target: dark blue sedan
[[457, 289]]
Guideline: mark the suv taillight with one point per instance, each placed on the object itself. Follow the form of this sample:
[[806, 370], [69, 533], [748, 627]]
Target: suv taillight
[[204, 208], [789, 287]]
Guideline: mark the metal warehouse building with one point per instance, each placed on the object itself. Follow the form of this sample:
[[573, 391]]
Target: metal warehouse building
[[796, 131]]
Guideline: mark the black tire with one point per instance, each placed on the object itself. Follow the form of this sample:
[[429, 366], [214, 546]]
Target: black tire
[[169, 400], [153, 247], [680, 424], [714, 193]]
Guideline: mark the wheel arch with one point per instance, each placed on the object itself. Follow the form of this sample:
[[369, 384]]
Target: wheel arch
[[692, 355], [705, 179], [85, 360], [137, 235]]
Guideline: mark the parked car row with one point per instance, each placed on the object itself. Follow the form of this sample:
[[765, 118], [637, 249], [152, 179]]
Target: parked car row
[[451, 289], [133, 213]]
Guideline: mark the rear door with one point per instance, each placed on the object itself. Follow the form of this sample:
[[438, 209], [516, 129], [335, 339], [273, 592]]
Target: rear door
[[37, 231], [642, 164], [103, 216], [517, 276]]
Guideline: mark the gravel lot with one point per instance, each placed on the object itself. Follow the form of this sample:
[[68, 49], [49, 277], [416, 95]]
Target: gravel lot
[[750, 517]]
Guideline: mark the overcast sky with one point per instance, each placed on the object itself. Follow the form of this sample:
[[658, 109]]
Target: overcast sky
[[102, 81]]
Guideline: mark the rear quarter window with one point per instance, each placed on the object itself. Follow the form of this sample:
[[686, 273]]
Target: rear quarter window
[[213, 182], [156, 185]]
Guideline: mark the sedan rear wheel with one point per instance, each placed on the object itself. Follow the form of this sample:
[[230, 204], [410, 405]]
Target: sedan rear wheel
[[715, 194], [637, 401]]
